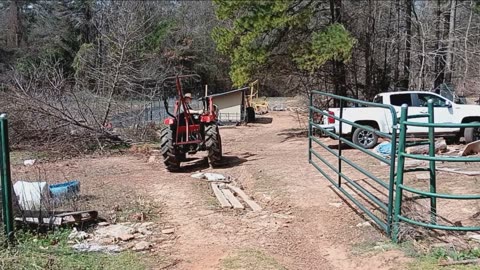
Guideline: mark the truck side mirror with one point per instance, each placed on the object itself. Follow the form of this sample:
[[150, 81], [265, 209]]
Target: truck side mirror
[[449, 104]]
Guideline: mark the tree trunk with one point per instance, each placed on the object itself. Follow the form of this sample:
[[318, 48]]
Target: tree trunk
[[397, 47], [338, 67], [451, 44], [441, 53], [406, 61], [15, 33]]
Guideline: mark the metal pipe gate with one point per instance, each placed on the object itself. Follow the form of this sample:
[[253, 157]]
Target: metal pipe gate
[[394, 185], [383, 223]]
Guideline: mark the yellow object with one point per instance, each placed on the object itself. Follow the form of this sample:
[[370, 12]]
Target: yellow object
[[259, 104]]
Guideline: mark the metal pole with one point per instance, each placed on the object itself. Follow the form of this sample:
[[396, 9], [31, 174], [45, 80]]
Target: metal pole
[[401, 165], [340, 145], [6, 179], [391, 182], [431, 153]]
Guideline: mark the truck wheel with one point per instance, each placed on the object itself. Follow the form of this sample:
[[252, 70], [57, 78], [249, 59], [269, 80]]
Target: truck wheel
[[365, 138], [170, 159], [250, 115], [213, 141], [472, 134]]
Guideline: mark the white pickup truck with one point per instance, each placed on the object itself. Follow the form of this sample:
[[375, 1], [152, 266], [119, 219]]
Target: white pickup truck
[[446, 111]]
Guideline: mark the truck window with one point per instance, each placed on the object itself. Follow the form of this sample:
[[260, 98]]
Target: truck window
[[400, 99], [378, 99], [437, 101]]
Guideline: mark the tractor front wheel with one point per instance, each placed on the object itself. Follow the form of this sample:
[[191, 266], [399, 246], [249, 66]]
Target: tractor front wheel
[[213, 141], [170, 159]]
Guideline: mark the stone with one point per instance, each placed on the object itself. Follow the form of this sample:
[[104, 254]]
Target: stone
[[103, 224], [168, 231], [364, 224], [198, 175], [94, 247], [141, 246], [77, 235], [126, 237], [422, 176], [115, 231], [151, 159], [29, 162]]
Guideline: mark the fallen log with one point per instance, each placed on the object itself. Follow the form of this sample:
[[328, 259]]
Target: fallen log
[[440, 146]]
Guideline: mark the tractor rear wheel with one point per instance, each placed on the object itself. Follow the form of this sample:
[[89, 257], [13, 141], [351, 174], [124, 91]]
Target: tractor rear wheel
[[213, 141], [172, 163]]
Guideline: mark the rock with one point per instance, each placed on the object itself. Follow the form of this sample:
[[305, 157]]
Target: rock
[[77, 235], [198, 175], [94, 247], [151, 159], [102, 224], [115, 231], [141, 246], [139, 216], [337, 205], [126, 237], [364, 224], [29, 162], [168, 231]]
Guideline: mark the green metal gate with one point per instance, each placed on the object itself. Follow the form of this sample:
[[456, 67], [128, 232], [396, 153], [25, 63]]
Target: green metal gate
[[432, 194], [394, 184], [314, 156]]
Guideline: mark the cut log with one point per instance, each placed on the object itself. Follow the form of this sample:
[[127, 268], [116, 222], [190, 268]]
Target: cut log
[[472, 148], [220, 197], [245, 198], [440, 146], [231, 198]]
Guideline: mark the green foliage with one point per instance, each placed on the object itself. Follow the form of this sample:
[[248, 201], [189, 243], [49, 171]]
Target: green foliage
[[153, 41], [52, 251], [334, 43], [249, 39]]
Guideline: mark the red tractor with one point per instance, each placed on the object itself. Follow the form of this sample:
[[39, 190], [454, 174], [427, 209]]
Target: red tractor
[[187, 133]]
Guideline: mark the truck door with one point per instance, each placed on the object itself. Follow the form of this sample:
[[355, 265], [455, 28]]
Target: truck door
[[443, 111]]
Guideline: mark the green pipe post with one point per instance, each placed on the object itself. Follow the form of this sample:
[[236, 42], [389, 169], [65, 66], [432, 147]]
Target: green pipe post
[[431, 153], [6, 179], [340, 131], [399, 178]]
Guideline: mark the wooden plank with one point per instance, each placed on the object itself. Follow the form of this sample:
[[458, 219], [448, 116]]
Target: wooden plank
[[220, 197], [231, 198], [255, 207]]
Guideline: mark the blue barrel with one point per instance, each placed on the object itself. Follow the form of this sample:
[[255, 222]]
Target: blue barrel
[[64, 190]]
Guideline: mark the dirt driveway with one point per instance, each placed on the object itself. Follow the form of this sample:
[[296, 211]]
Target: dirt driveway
[[304, 224], [301, 225]]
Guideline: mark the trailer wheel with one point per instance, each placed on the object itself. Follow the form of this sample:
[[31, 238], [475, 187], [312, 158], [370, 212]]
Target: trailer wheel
[[472, 134], [213, 141], [169, 154], [365, 138]]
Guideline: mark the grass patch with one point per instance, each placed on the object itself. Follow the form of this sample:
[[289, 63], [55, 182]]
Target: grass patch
[[51, 252], [431, 260], [250, 259]]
